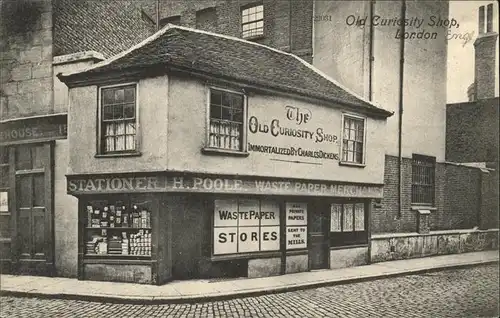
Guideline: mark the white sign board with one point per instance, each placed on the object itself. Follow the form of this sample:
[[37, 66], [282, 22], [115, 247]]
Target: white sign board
[[245, 226], [296, 213], [4, 201], [296, 237]]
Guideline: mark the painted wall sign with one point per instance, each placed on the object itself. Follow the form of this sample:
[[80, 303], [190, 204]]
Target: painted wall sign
[[34, 129], [296, 225], [243, 226], [164, 183], [292, 133]]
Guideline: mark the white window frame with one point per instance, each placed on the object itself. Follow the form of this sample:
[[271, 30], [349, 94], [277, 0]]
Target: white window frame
[[99, 150], [245, 119], [248, 7], [356, 117]]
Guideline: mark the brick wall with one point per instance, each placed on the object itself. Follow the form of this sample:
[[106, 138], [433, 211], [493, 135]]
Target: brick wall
[[277, 21], [108, 27], [472, 131], [484, 66], [464, 196], [26, 58]]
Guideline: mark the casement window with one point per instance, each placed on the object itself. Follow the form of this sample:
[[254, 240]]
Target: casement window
[[348, 223], [252, 21], [226, 120], [353, 139], [175, 19], [118, 119], [422, 180]]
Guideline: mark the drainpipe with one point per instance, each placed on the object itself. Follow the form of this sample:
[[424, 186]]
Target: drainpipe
[[157, 15], [400, 128], [290, 25], [370, 52]]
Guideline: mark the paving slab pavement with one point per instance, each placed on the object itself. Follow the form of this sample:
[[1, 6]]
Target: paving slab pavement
[[208, 290]]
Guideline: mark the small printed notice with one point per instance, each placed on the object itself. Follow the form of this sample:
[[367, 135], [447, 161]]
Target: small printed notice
[[4, 201], [296, 225], [296, 213], [296, 237]]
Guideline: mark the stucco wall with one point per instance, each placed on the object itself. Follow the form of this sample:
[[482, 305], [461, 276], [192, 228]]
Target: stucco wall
[[152, 101], [65, 216], [424, 69], [187, 137]]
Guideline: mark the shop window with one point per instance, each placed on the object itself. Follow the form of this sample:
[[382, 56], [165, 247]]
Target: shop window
[[348, 224], [422, 180], [252, 21], [118, 119], [245, 226], [353, 139], [117, 227], [226, 120]]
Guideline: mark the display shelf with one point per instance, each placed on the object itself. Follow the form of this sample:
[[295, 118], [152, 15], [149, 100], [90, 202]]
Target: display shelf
[[116, 256], [117, 228]]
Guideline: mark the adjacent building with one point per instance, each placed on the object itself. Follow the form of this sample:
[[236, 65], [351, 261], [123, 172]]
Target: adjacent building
[[38, 40]]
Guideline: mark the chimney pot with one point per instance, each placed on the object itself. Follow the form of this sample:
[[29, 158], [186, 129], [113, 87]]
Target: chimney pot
[[481, 19], [489, 18]]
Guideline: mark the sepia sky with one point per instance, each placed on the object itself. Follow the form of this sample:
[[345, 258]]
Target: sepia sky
[[460, 56]]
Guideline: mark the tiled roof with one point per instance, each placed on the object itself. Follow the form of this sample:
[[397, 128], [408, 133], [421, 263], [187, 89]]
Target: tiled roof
[[108, 27], [228, 57]]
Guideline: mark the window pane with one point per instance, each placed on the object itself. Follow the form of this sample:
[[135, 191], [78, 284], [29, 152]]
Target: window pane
[[129, 111], [259, 15], [215, 97], [215, 111], [130, 95], [226, 99], [260, 24], [359, 217], [348, 215], [237, 101], [226, 113], [117, 111], [108, 96], [119, 95], [244, 19], [336, 218], [359, 157], [107, 112], [238, 115], [130, 128]]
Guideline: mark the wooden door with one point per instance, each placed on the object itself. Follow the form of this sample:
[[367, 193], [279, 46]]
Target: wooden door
[[33, 231], [318, 238]]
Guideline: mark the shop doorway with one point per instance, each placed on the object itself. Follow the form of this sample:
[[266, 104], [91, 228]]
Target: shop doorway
[[318, 238], [33, 231]]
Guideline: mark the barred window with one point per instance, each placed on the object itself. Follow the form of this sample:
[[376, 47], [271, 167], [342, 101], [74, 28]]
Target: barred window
[[118, 119], [422, 185], [226, 120], [252, 21], [353, 140]]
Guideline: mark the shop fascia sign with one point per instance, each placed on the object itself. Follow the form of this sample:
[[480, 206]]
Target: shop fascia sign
[[202, 184]]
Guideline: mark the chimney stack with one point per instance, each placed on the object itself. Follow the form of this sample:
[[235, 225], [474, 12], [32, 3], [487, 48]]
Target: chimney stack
[[485, 49]]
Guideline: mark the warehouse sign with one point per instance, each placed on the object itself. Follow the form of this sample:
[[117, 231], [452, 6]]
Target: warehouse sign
[[34, 129], [230, 185], [245, 226]]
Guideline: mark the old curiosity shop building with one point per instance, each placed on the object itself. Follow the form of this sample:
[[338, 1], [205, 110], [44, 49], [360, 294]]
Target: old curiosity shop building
[[197, 155]]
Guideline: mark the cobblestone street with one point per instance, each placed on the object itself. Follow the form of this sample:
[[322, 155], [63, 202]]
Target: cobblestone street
[[471, 292]]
